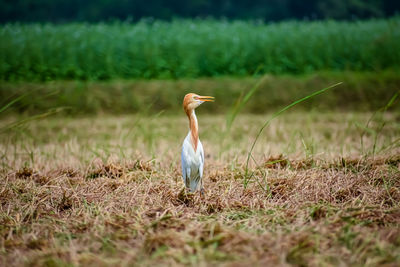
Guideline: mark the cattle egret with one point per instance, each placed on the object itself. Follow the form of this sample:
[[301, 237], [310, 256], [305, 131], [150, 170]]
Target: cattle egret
[[192, 155]]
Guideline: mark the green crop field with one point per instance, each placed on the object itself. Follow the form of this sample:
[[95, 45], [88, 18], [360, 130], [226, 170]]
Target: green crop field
[[195, 48]]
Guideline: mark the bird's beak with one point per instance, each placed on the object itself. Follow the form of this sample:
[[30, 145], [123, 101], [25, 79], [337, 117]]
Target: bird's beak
[[206, 98]]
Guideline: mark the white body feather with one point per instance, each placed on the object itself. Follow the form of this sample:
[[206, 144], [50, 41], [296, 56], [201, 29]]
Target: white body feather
[[192, 164]]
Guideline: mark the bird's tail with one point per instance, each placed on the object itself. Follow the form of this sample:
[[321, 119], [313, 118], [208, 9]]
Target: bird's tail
[[195, 183]]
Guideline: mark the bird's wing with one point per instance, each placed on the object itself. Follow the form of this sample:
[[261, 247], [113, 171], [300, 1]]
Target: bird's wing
[[201, 166], [184, 163], [185, 160]]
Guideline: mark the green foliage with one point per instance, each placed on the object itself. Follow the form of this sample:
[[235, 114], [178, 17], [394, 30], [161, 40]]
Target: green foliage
[[194, 48], [360, 91]]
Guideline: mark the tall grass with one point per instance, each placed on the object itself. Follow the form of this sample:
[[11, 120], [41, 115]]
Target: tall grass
[[194, 48], [248, 176], [16, 124], [378, 118]]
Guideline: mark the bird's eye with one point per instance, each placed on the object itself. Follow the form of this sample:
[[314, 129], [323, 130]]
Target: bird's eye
[[195, 98]]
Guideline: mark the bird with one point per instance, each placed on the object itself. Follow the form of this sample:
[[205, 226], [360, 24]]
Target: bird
[[192, 155]]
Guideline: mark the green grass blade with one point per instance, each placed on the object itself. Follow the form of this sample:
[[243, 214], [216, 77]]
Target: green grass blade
[[9, 104], [275, 115], [232, 115]]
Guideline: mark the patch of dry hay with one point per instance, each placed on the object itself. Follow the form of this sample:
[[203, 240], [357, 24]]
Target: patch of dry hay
[[135, 211]]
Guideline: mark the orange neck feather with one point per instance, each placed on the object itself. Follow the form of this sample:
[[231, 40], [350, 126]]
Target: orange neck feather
[[194, 129]]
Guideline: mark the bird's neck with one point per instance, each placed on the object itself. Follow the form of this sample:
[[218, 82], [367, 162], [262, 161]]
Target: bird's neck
[[194, 129]]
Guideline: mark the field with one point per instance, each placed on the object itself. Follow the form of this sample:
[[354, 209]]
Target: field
[[91, 127], [195, 48], [324, 190], [360, 91]]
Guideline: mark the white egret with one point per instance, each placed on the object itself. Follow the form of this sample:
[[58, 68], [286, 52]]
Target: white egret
[[192, 155]]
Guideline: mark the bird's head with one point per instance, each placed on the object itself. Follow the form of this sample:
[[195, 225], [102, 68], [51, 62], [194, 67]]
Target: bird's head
[[192, 101]]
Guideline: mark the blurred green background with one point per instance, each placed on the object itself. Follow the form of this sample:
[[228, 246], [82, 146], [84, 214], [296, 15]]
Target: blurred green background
[[127, 56], [266, 10]]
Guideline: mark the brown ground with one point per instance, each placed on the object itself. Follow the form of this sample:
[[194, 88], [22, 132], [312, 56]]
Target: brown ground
[[107, 191]]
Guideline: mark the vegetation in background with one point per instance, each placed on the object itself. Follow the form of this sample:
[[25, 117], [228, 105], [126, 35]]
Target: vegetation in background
[[359, 91], [100, 10], [195, 48]]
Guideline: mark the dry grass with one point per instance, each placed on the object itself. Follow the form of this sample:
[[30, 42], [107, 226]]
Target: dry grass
[[107, 191]]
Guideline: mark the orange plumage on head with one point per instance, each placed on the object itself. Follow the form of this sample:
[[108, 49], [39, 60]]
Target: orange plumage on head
[[186, 102]]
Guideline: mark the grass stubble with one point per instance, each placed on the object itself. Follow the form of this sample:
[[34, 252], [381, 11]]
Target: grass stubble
[[108, 191]]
